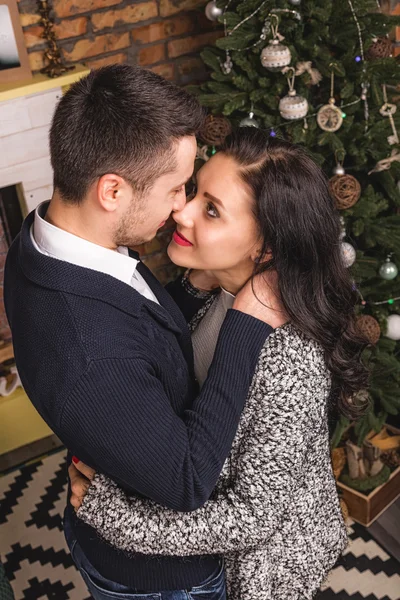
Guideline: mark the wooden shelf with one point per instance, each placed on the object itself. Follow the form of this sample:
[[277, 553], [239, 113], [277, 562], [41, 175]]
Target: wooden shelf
[[6, 352], [40, 83]]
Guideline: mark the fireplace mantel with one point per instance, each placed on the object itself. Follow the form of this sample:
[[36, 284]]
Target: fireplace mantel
[[40, 83]]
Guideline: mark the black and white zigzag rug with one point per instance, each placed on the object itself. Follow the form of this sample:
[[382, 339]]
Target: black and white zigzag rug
[[38, 564]]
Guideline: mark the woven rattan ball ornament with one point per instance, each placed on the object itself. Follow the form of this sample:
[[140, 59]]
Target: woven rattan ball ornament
[[381, 48], [369, 328], [215, 130], [346, 190]]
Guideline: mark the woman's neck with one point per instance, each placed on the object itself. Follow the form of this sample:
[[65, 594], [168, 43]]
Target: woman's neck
[[234, 279]]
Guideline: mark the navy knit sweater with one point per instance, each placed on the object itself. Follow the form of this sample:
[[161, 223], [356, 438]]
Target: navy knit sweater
[[112, 374]]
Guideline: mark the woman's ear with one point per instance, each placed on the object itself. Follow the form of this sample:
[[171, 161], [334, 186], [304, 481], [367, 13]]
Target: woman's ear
[[256, 254]]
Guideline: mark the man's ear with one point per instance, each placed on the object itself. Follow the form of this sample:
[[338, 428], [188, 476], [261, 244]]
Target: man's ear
[[110, 189]]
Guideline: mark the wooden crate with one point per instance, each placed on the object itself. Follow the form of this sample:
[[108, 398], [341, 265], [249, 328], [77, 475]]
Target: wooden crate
[[365, 509]]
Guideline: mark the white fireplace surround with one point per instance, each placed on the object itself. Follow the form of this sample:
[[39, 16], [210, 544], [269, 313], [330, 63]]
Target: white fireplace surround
[[24, 146], [26, 111]]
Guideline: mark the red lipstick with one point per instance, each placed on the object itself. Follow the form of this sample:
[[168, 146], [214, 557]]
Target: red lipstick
[[180, 239]]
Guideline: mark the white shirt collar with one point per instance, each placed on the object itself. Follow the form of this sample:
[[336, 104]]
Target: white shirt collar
[[66, 246]]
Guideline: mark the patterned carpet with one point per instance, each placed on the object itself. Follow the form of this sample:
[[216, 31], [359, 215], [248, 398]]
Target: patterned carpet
[[38, 564]]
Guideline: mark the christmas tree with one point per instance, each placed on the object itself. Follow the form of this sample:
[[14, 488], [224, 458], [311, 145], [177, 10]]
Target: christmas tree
[[321, 73]]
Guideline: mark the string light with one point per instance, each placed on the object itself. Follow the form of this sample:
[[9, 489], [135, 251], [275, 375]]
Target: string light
[[361, 58], [358, 30], [253, 14], [389, 301]]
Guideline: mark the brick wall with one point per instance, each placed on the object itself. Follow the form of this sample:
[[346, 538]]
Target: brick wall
[[162, 35], [396, 11]]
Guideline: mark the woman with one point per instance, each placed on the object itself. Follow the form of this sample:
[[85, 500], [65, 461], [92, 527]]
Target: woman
[[261, 206]]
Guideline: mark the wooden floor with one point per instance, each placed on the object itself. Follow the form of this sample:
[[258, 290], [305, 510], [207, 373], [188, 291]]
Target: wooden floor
[[386, 530]]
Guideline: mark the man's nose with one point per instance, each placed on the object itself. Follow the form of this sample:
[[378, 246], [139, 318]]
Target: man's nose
[[184, 216], [179, 202]]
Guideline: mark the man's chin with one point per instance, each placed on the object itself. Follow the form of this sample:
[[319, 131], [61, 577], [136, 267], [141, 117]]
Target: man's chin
[[134, 243]]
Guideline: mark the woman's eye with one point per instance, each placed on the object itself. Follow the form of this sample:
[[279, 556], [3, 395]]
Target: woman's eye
[[211, 210]]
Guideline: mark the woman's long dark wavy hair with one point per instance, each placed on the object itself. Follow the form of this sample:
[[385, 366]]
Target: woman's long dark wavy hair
[[300, 228]]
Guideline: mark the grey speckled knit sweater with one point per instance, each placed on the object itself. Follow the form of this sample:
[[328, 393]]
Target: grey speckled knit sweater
[[275, 512]]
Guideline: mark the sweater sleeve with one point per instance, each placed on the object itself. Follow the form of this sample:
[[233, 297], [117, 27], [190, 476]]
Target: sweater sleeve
[[245, 515], [132, 433]]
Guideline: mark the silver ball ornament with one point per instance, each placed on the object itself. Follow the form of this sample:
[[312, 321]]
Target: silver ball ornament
[[338, 170], [227, 66], [213, 12], [393, 327], [249, 121], [295, 2], [388, 270], [348, 254]]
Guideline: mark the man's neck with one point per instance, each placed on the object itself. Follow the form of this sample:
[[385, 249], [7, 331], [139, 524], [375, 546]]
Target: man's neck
[[74, 219]]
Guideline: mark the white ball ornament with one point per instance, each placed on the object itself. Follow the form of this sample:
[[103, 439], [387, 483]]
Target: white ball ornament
[[295, 2], [348, 254], [293, 106], [338, 170], [275, 56], [213, 12], [393, 327]]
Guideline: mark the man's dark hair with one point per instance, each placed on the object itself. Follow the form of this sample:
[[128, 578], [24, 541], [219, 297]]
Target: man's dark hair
[[119, 119]]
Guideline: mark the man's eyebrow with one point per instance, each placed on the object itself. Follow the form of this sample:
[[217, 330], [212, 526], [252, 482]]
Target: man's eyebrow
[[176, 187], [214, 199]]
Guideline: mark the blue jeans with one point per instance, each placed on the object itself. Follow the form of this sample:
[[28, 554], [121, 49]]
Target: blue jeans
[[104, 589]]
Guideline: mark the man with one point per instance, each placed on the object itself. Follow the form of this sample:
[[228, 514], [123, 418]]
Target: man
[[103, 352]]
